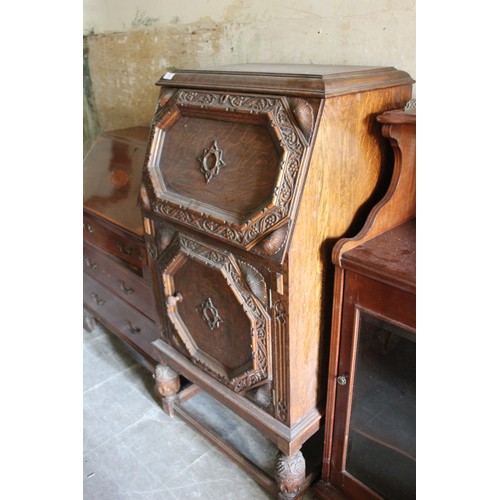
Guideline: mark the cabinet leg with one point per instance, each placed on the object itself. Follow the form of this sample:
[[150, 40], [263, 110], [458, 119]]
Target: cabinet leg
[[89, 321], [167, 385], [290, 475]]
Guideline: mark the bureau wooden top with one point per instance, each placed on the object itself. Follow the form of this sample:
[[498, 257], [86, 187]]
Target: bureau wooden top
[[389, 257], [317, 80], [112, 176]]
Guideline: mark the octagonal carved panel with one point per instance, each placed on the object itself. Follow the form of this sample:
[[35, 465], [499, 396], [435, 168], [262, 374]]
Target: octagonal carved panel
[[229, 165], [217, 308]]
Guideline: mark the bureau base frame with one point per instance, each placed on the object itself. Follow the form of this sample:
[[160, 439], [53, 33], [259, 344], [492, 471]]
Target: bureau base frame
[[290, 479]]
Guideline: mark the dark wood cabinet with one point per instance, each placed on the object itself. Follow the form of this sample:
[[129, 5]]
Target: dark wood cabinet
[[116, 284], [252, 173], [370, 436]]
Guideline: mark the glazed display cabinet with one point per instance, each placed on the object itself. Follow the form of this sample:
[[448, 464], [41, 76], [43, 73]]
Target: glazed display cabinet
[[370, 431]]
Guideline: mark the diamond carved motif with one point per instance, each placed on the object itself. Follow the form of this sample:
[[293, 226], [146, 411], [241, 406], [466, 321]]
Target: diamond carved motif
[[211, 314], [211, 161]]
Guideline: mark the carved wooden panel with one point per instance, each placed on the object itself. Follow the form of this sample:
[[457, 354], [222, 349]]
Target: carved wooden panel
[[216, 306], [230, 165]]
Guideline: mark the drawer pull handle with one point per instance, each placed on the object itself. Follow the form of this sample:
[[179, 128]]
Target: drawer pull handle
[[132, 329], [211, 314], [124, 289], [342, 379], [123, 250], [211, 161], [92, 265], [173, 299], [97, 299], [90, 228]]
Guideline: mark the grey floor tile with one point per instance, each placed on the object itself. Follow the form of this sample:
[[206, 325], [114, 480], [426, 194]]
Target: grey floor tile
[[161, 494], [118, 403], [212, 413], [113, 471], [95, 430], [254, 446], [103, 357], [215, 477], [95, 371], [142, 379], [166, 445], [100, 487]]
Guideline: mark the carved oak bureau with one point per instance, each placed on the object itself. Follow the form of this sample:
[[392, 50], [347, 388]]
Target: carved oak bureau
[[251, 174], [116, 283]]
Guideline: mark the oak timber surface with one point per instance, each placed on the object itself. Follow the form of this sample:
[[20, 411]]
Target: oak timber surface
[[390, 256], [349, 169], [112, 177], [249, 155], [289, 79]]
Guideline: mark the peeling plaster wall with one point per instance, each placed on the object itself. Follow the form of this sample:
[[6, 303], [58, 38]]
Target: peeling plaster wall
[[131, 44]]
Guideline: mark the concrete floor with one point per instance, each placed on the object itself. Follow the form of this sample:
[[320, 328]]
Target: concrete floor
[[133, 450]]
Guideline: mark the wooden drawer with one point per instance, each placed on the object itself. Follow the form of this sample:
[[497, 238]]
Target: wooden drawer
[[127, 248], [124, 320], [229, 165], [121, 280]]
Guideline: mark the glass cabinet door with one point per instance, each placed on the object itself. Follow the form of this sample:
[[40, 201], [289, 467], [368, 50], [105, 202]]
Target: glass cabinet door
[[378, 404]]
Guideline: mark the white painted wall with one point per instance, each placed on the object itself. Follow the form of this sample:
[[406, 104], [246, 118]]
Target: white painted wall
[[131, 43], [372, 32]]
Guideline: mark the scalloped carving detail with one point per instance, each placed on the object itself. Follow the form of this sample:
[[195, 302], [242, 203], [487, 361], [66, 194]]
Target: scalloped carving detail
[[164, 237], [255, 281], [273, 243], [304, 114]]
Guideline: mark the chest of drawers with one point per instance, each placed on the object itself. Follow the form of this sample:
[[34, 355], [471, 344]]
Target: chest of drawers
[[116, 282], [252, 173]]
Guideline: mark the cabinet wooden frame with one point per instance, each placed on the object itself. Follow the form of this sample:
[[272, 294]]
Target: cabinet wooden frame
[[394, 306]]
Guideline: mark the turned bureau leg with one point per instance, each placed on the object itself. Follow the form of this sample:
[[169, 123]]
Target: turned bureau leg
[[290, 475], [167, 385]]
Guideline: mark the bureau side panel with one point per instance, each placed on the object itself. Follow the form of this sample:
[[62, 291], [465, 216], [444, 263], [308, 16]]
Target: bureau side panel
[[348, 174]]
